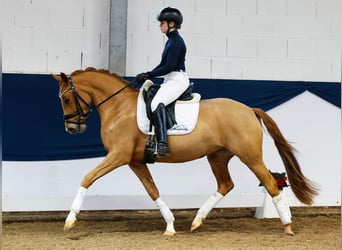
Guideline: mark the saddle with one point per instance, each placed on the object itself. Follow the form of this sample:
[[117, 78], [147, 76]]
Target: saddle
[[148, 95], [190, 106]]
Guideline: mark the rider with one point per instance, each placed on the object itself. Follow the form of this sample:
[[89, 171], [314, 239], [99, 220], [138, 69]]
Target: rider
[[172, 68]]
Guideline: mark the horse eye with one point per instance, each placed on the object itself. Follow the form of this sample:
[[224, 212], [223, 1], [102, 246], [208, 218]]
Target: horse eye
[[66, 101]]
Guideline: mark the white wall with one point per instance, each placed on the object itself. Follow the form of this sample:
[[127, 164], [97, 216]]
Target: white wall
[[311, 124], [244, 39], [239, 39], [47, 36]]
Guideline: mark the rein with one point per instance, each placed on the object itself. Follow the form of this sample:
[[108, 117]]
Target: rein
[[91, 107], [114, 94]]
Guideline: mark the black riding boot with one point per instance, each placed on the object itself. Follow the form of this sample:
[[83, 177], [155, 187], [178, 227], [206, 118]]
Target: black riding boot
[[159, 119]]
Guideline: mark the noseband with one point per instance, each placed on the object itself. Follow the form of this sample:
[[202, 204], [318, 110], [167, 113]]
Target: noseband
[[82, 115]]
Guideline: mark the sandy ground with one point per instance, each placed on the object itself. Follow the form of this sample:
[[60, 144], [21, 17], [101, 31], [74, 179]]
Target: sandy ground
[[322, 231]]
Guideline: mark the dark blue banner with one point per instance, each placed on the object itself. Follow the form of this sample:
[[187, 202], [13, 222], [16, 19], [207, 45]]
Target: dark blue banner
[[33, 125]]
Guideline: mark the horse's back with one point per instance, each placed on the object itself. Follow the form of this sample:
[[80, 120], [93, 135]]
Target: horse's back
[[231, 120], [228, 108]]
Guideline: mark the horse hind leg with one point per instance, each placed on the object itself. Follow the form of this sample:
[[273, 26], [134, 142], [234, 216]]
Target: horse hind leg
[[219, 165], [259, 169]]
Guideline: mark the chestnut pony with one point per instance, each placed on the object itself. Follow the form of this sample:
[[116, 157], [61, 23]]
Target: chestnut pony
[[225, 128]]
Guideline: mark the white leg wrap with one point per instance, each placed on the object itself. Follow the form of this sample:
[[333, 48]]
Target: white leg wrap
[[283, 209], [167, 214], [71, 216], [165, 211], [77, 203], [208, 205]]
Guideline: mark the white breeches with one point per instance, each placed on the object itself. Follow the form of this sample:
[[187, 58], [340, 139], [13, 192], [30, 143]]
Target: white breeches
[[175, 83]]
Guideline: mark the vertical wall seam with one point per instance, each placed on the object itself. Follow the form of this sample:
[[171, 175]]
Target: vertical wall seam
[[118, 36], [81, 66], [100, 42], [83, 18]]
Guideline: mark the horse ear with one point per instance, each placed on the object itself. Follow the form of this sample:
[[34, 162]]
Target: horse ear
[[57, 77], [64, 77], [60, 78]]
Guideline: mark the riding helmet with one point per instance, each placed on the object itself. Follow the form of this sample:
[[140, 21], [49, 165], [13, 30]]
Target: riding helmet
[[169, 14]]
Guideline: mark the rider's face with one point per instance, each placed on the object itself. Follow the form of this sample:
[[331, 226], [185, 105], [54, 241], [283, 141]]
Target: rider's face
[[163, 27]]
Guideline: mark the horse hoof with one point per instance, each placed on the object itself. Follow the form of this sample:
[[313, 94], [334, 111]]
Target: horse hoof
[[69, 224], [169, 233], [196, 224], [288, 231]]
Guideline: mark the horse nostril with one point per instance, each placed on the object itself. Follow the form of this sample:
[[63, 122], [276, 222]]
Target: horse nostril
[[72, 131]]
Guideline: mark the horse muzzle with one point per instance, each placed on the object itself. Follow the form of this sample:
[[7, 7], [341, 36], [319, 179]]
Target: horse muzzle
[[75, 128]]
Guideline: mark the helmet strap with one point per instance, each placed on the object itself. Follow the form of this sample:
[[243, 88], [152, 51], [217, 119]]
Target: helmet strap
[[169, 27]]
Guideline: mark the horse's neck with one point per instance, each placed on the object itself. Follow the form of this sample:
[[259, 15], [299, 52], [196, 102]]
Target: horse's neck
[[104, 87]]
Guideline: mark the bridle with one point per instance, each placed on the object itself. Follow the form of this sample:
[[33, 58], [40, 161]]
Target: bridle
[[82, 115]]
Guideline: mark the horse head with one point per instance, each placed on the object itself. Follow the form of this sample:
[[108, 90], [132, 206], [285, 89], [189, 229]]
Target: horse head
[[75, 108]]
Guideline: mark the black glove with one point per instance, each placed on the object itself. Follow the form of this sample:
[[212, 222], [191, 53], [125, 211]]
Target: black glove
[[141, 78]]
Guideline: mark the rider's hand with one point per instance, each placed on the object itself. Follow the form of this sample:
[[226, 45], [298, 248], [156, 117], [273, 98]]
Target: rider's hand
[[141, 78]]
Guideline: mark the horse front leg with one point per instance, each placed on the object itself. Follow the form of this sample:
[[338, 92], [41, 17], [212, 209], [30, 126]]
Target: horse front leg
[[219, 165], [109, 163], [145, 177]]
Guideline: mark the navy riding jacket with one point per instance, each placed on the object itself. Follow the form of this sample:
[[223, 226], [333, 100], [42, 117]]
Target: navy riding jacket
[[173, 57]]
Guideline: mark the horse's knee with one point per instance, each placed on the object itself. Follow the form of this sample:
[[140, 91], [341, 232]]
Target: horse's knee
[[87, 181], [94, 175]]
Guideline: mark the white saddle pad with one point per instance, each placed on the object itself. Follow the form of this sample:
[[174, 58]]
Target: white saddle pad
[[186, 113]]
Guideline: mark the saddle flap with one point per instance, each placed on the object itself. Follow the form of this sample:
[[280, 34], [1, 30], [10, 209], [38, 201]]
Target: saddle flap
[[185, 113], [150, 90]]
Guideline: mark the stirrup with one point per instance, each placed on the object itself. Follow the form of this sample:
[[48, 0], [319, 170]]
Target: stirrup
[[150, 146], [162, 149], [150, 150]]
